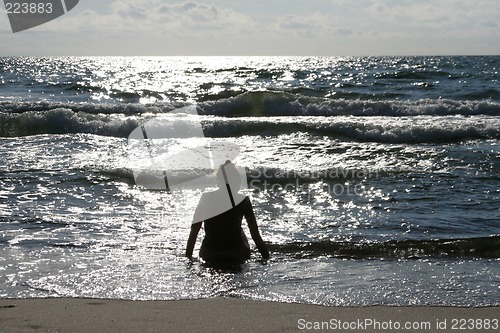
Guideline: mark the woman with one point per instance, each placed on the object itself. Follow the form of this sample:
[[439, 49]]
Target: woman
[[222, 212]]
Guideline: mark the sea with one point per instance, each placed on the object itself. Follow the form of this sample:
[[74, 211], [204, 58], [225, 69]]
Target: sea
[[374, 180]]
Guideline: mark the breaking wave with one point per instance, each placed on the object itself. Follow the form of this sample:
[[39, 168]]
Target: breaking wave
[[482, 247], [266, 113]]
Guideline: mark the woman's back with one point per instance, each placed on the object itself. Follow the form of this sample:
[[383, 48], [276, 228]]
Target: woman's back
[[224, 235], [222, 212]]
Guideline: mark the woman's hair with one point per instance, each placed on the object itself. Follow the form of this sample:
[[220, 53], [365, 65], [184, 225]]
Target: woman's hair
[[232, 174]]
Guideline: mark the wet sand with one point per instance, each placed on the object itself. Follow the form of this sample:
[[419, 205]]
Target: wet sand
[[229, 315]]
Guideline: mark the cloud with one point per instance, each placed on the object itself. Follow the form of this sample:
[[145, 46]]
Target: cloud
[[346, 27], [311, 26], [343, 32], [129, 10], [198, 16], [447, 13], [157, 18], [301, 26], [489, 24]]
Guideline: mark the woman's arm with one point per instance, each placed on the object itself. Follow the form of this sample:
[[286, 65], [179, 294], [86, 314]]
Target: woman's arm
[[195, 228], [254, 229]]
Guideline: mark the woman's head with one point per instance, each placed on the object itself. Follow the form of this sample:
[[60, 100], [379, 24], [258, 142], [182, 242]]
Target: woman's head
[[232, 176]]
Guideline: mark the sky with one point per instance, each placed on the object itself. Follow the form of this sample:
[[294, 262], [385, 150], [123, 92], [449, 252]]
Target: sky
[[263, 27]]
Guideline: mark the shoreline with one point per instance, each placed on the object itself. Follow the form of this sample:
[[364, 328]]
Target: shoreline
[[231, 314]]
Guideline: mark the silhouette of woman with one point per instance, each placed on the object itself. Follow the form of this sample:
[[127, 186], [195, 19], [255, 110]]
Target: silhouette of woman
[[222, 212]]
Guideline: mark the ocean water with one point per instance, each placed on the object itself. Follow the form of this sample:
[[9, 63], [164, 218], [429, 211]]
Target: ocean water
[[374, 180]]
